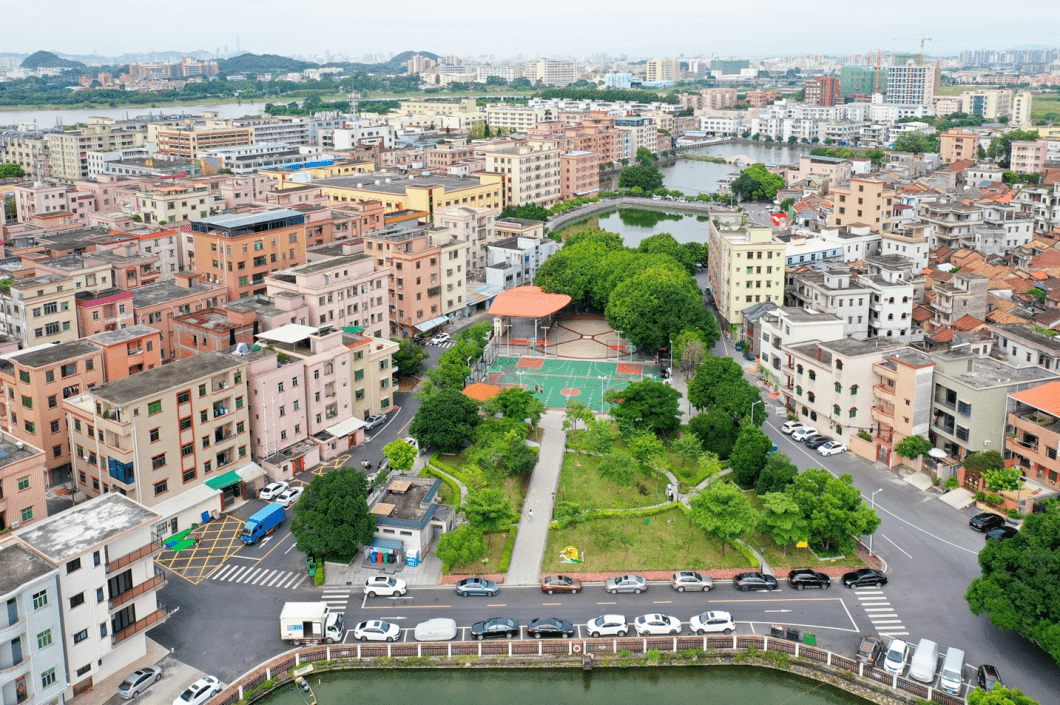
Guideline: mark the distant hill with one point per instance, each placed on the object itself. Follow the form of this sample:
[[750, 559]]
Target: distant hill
[[257, 64], [48, 60]]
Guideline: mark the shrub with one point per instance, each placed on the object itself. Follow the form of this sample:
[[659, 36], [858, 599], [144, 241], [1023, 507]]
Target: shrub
[[864, 435], [318, 579], [506, 555], [951, 484], [1014, 514]]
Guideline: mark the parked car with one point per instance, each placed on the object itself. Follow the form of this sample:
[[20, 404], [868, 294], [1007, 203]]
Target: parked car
[[412, 442], [440, 339], [419, 339], [439, 629], [897, 657], [749, 356], [987, 677], [273, 490], [1002, 533], [373, 421], [864, 576], [802, 432], [790, 427], [384, 585], [560, 583], [138, 681], [869, 650], [495, 627], [802, 578], [607, 625], [626, 583], [755, 581], [814, 442], [376, 630], [476, 586], [199, 692], [549, 626], [290, 496], [691, 581], [710, 622], [657, 624], [831, 448], [986, 522]]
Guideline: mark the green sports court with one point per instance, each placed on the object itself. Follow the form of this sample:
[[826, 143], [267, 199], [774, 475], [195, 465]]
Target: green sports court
[[556, 380]]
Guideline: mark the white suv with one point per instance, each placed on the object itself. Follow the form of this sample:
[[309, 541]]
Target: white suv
[[384, 585]]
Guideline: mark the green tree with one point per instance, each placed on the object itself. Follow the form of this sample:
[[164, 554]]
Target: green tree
[[575, 411], [519, 459], [516, 404], [461, 546], [786, 204], [618, 468], [488, 510], [716, 431], [11, 171], [648, 405], [646, 447], [756, 183], [332, 518], [710, 377], [912, 447], [409, 357], [833, 507], [528, 211], [647, 178], [982, 463], [687, 447], [1038, 294], [655, 305], [1000, 695], [782, 520], [915, 142], [1018, 586], [778, 473], [724, 512], [401, 454], [477, 335], [1001, 145], [690, 352], [740, 398], [445, 420], [449, 375], [749, 455], [665, 244], [600, 435], [1004, 479], [645, 157]]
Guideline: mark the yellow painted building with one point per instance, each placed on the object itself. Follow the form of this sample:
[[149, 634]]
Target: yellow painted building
[[745, 267], [419, 193]]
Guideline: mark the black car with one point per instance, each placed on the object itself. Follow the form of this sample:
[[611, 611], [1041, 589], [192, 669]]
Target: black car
[[986, 521], [1002, 533], [863, 577], [801, 578], [495, 627], [987, 677], [549, 626], [755, 581], [817, 441]]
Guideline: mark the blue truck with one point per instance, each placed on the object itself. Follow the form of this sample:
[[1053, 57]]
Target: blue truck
[[263, 523]]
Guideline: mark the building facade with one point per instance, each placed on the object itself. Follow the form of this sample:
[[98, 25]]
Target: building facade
[[744, 268]]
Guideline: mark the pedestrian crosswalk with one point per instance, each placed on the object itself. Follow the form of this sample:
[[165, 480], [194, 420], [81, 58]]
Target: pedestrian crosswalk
[[880, 612], [337, 598], [263, 577], [443, 346]]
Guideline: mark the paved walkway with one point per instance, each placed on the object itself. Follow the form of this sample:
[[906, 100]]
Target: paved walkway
[[529, 551]]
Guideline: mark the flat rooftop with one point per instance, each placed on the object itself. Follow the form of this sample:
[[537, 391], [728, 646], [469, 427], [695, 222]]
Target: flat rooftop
[[412, 505], [159, 379], [163, 292], [85, 526], [114, 337], [986, 372], [519, 222], [11, 453], [18, 566], [1029, 334], [242, 220], [399, 186], [326, 265], [43, 357]]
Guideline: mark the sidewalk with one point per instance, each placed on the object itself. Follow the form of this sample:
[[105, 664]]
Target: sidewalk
[[529, 551]]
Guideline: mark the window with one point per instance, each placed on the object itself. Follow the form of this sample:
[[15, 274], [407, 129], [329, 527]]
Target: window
[[73, 565], [161, 487], [81, 635], [184, 397], [158, 461], [23, 483], [854, 412], [853, 389], [838, 387], [962, 433], [242, 451], [40, 599], [154, 407], [155, 434], [99, 595], [77, 600], [202, 390], [839, 364], [84, 669], [185, 423], [187, 449], [68, 370], [811, 396], [798, 391], [27, 513], [964, 408], [239, 402], [30, 426], [813, 374], [24, 376], [836, 410], [27, 401], [188, 475]]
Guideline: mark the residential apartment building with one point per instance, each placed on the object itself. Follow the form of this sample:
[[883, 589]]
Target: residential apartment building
[[515, 261], [579, 174], [990, 104], [27, 149], [901, 403], [52, 199], [954, 224], [530, 173], [964, 295], [823, 90], [662, 70], [1021, 108], [39, 310], [476, 227], [99, 311], [784, 326], [1029, 156], [551, 73], [158, 304], [23, 485], [176, 202], [835, 290], [1022, 344], [911, 84], [398, 192], [892, 296], [957, 144], [128, 351], [908, 240], [745, 267], [31, 645], [643, 132], [517, 118], [108, 584], [1032, 432], [68, 149], [341, 291], [162, 432], [864, 201], [211, 329], [187, 141]]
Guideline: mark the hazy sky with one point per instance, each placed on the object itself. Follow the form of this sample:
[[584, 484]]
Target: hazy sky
[[546, 27]]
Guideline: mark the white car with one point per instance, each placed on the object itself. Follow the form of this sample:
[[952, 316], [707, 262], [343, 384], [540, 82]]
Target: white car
[[376, 630], [384, 585], [199, 692], [791, 426], [440, 339], [897, 657], [440, 629], [712, 622], [656, 624], [412, 442], [801, 433], [831, 448], [273, 490], [607, 625], [289, 497]]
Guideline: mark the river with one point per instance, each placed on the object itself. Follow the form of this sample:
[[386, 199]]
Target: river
[[708, 685], [49, 118]]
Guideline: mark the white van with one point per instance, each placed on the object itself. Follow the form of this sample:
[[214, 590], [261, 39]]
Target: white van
[[925, 658], [952, 675]]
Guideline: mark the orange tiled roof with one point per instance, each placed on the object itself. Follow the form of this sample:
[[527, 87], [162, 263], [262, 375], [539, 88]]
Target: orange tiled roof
[[942, 335], [921, 313], [1000, 316], [1045, 397], [966, 323]]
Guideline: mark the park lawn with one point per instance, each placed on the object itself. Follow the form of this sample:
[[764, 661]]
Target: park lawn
[[668, 541], [493, 556], [1044, 104], [580, 482], [685, 471], [514, 487], [795, 557]]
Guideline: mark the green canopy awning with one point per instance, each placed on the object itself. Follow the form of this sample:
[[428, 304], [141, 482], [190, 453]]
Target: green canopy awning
[[226, 480], [353, 330]]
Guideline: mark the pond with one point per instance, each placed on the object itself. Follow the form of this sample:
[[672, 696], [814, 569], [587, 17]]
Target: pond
[[635, 224]]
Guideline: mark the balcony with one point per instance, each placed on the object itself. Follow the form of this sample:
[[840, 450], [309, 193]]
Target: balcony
[[144, 551], [1019, 443], [12, 630], [887, 370], [156, 617], [945, 403], [881, 415], [156, 581], [884, 393]]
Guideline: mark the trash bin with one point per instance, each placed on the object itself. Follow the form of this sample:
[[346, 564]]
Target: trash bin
[[794, 635], [777, 630], [809, 638]]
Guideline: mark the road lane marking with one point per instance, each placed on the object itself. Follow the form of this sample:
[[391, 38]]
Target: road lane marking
[[896, 545], [500, 605], [278, 577], [781, 599], [661, 602], [232, 576], [805, 626], [607, 603], [246, 558], [406, 607], [299, 582], [249, 575], [849, 616], [286, 583], [551, 604]]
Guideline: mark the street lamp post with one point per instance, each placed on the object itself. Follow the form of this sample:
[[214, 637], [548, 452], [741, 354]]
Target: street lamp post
[[753, 410], [872, 502]]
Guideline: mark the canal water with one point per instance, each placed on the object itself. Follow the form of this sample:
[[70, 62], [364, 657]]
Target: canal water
[[707, 685], [635, 224]]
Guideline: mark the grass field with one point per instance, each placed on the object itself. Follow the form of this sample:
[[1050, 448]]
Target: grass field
[[795, 557], [1044, 104], [668, 541], [514, 487], [580, 482]]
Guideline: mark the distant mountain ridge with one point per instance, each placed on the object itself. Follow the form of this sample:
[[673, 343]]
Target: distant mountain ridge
[[48, 60]]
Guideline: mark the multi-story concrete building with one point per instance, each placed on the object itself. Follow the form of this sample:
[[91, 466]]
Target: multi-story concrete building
[[643, 132], [399, 192], [957, 144], [908, 240], [1032, 432], [788, 325], [129, 351], [964, 295], [176, 202], [23, 485], [27, 149], [892, 296], [68, 149], [52, 199], [211, 329], [579, 174], [745, 267], [31, 645], [515, 261], [39, 310], [662, 70], [1021, 344], [988, 103], [954, 224], [1021, 108], [530, 173], [108, 584], [158, 304], [901, 403], [476, 227], [911, 84], [517, 118], [551, 73], [164, 431], [823, 90], [835, 290], [1029, 156], [187, 141], [864, 201]]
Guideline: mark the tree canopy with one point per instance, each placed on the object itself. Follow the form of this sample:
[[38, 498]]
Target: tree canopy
[[664, 243], [782, 520], [401, 454], [11, 171], [912, 447], [655, 305], [778, 473], [833, 508], [332, 518], [756, 183], [723, 511], [1001, 145], [915, 142], [462, 545], [648, 405], [409, 357], [488, 509], [716, 431], [445, 420], [749, 454], [640, 176], [1000, 695]]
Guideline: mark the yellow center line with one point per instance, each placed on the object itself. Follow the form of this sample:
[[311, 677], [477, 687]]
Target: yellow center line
[[500, 605], [607, 603]]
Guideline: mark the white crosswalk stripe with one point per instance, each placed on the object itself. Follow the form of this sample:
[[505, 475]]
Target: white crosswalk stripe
[[262, 577], [880, 612]]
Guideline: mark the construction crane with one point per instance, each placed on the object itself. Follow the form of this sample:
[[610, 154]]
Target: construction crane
[[922, 40]]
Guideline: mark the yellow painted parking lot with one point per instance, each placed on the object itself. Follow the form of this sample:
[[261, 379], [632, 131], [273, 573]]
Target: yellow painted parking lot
[[218, 541]]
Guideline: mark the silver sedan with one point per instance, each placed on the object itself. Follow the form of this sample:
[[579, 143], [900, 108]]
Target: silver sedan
[[626, 583]]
